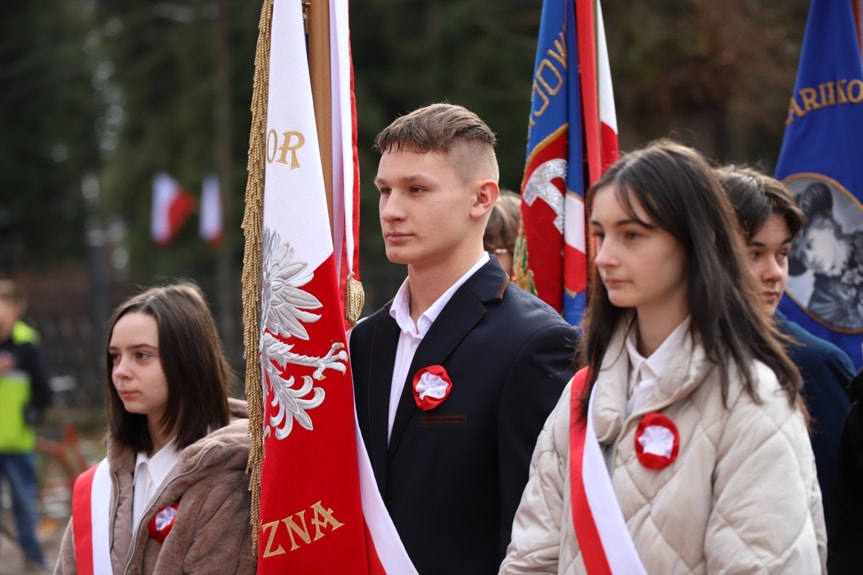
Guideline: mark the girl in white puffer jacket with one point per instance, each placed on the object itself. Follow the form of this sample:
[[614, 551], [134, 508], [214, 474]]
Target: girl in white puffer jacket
[[695, 405]]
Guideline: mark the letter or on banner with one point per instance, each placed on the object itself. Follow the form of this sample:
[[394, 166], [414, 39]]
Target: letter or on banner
[[312, 512], [820, 164], [571, 105]]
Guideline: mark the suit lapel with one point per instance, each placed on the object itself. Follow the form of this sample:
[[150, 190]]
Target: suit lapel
[[457, 319], [385, 339]]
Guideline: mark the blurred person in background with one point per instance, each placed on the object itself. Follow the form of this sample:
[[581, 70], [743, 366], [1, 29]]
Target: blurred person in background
[[172, 495], [501, 230], [25, 393], [770, 220]]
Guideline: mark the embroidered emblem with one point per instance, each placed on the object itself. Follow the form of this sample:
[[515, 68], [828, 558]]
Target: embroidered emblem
[[656, 441], [285, 309], [162, 522], [431, 387]]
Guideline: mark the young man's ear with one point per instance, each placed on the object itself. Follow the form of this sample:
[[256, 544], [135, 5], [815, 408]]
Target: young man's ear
[[486, 195]]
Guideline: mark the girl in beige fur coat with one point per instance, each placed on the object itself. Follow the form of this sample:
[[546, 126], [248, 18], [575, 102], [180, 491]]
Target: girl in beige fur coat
[[172, 495]]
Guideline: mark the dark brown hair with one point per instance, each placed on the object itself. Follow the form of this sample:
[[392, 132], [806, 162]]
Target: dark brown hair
[[443, 128], [501, 229], [756, 196], [192, 358], [681, 194]]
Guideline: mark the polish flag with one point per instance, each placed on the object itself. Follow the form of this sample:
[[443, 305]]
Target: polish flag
[[172, 205], [320, 509], [211, 226]]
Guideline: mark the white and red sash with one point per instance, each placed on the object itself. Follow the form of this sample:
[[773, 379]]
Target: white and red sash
[[91, 498], [605, 542]]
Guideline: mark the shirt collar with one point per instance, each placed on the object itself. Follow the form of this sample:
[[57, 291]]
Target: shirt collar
[[653, 365], [160, 463], [401, 310]]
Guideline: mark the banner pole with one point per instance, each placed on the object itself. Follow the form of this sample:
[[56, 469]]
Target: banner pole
[[319, 70]]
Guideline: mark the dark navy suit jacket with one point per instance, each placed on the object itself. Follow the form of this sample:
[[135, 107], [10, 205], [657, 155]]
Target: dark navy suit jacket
[[826, 371], [452, 477]]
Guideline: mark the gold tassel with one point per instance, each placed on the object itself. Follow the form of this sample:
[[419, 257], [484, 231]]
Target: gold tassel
[[355, 299], [253, 232]]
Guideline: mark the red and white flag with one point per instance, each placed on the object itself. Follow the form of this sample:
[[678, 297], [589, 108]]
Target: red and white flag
[[572, 139], [320, 510], [172, 205], [211, 226]]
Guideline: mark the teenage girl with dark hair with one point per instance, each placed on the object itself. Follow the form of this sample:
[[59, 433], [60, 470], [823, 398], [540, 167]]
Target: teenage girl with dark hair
[[688, 403], [172, 495]]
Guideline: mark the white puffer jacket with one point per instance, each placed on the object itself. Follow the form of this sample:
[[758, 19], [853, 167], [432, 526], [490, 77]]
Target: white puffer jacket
[[742, 496]]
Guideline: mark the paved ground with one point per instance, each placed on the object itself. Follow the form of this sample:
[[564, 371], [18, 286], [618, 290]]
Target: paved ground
[[12, 560]]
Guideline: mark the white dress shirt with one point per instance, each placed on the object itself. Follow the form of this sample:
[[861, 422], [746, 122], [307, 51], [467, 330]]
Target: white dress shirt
[[150, 472], [643, 372], [413, 333]]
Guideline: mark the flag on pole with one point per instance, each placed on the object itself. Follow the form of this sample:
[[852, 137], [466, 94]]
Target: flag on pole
[[572, 139], [172, 205], [211, 226], [320, 509], [820, 163]]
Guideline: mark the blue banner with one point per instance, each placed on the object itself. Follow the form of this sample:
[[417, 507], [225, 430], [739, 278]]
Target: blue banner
[[821, 162], [554, 169]]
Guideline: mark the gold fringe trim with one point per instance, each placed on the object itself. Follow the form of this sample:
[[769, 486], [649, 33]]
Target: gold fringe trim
[[253, 232]]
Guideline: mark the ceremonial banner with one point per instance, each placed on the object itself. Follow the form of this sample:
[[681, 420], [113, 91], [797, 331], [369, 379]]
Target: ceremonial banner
[[572, 139], [319, 508], [172, 205], [820, 163]]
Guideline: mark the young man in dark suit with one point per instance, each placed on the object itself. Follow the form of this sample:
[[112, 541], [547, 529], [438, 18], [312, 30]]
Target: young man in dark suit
[[454, 377]]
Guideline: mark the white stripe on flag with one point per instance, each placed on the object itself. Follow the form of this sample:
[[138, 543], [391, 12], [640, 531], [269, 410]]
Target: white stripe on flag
[[290, 207], [342, 127], [573, 229], [607, 112]]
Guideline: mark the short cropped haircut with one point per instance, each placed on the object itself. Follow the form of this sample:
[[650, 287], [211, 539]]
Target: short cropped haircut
[[756, 196], [192, 358], [442, 128]]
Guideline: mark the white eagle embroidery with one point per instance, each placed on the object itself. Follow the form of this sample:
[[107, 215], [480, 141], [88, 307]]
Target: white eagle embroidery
[[284, 310]]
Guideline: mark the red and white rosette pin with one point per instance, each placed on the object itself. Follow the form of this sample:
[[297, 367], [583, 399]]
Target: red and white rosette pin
[[656, 441], [431, 387], [162, 522]]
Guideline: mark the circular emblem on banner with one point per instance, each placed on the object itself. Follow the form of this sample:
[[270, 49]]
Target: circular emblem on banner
[[825, 264]]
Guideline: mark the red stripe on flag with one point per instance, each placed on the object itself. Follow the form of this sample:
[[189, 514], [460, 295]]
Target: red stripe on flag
[[586, 33], [575, 276], [610, 149]]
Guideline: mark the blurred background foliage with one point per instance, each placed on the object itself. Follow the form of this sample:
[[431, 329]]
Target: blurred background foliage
[[98, 95]]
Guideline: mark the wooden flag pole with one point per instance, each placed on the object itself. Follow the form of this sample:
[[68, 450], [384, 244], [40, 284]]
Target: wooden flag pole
[[318, 26]]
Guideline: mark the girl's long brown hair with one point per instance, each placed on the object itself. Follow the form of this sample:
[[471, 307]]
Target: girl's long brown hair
[[681, 194]]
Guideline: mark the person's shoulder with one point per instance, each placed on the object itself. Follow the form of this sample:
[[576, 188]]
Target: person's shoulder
[[529, 304], [811, 348], [367, 320]]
